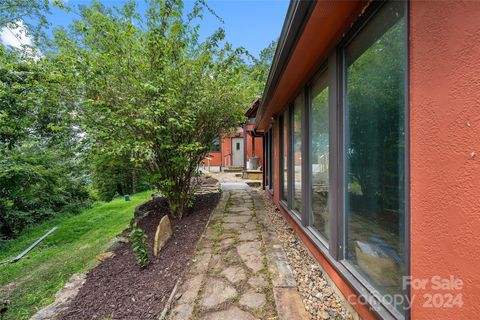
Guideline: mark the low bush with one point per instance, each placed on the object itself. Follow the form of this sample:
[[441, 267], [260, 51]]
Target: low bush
[[138, 239]]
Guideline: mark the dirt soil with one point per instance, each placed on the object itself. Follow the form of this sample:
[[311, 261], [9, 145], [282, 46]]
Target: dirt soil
[[119, 289]]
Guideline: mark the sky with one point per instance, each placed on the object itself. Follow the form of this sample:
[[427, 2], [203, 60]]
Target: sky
[[251, 24]]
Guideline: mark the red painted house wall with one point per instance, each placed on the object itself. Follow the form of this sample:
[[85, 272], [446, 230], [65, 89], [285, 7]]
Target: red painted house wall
[[215, 159], [258, 143], [223, 158], [445, 151]]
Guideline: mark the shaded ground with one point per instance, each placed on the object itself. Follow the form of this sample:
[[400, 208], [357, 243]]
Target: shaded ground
[[119, 289]]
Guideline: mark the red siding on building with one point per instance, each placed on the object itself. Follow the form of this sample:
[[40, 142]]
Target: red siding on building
[[257, 141], [215, 158], [445, 151], [223, 158]]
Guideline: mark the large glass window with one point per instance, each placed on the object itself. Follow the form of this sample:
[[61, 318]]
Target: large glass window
[[319, 156], [374, 149], [297, 153], [284, 157]]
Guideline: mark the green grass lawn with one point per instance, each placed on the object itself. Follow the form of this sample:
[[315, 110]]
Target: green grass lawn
[[33, 281]]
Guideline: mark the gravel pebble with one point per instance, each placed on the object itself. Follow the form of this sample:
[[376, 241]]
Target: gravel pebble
[[320, 300]]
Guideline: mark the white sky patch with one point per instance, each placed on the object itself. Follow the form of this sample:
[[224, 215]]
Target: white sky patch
[[15, 37]]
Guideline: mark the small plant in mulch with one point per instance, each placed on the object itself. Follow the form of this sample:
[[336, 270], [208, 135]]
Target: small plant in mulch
[[138, 239]]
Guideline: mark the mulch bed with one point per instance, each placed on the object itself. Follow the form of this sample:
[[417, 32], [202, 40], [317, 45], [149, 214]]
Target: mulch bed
[[119, 289]]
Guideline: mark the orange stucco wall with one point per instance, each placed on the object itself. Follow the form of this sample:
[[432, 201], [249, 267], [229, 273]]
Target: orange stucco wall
[[445, 152]]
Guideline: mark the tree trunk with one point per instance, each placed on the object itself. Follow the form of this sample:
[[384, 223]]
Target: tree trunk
[[178, 205], [119, 188], [180, 196]]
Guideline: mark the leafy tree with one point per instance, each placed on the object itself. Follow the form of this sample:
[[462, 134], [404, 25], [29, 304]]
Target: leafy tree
[[35, 184], [152, 89], [13, 11], [261, 68], [40, 174], [28, 18], [121, 101]]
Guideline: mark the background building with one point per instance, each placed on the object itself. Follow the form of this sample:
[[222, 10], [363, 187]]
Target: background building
[[236, 150]]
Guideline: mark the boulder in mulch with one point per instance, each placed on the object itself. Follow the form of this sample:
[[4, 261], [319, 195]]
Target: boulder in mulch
[[164, 232], [104, 256]]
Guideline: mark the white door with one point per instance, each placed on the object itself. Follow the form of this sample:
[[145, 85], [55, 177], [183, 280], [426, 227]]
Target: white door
[[237, 152]]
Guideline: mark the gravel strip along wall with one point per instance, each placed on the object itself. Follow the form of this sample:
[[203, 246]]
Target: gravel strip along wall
[[321, 300]]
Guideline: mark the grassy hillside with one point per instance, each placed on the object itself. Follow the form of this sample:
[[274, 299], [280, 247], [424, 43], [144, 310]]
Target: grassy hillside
[[32, 282]]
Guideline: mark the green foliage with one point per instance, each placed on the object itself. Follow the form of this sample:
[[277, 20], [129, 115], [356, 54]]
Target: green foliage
[[156, 93], [260, 70], [138, 240], [122, 101], [40, 174], [117, 175], [30, 15], [36, 184]]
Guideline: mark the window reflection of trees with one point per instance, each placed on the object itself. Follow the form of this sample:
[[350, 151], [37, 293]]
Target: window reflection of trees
[[374, 151]]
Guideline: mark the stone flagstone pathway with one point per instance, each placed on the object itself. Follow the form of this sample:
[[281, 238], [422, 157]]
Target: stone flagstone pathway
[[232, 275]]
